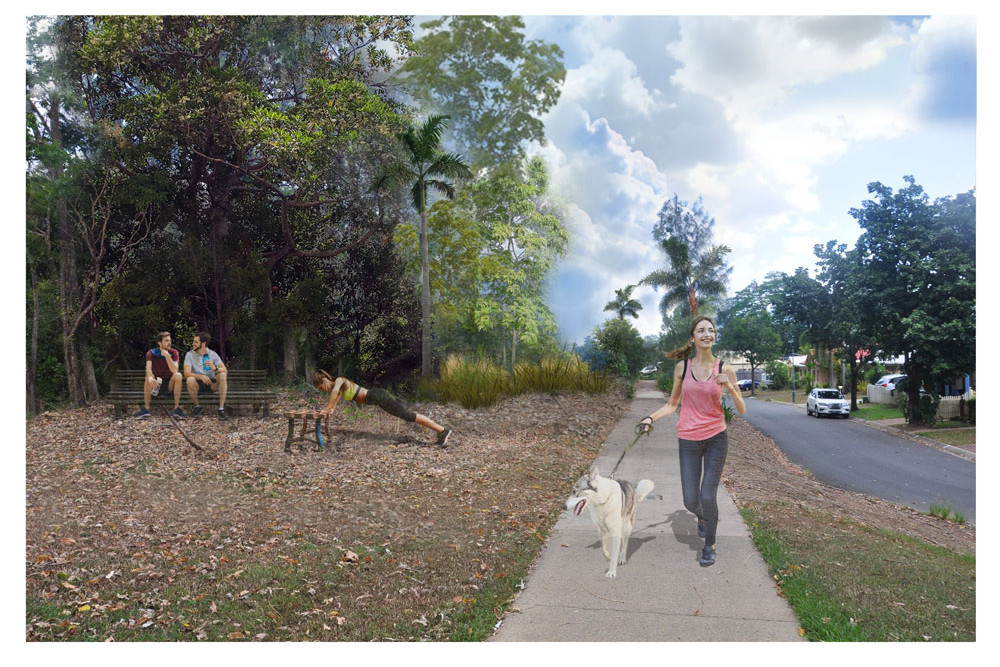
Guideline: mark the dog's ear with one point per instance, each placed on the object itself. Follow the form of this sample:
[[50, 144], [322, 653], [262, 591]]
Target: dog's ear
[[594, 472]]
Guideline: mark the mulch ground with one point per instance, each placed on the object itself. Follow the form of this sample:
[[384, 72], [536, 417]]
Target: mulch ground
[[112, 503]]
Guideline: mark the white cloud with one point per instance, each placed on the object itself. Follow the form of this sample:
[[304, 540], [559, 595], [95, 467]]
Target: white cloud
[[749, 63]]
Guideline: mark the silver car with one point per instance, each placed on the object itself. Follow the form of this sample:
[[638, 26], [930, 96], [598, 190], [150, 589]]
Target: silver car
[[827, 402]]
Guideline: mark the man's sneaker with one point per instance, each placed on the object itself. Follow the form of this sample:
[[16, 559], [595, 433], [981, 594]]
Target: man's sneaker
[[179, 414], [442, 439], [701, 528], [222, 414], [195, 411], [707, 556], [156, 390], [141, 414]]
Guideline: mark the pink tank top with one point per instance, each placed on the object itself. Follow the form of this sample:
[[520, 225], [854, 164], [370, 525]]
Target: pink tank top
[[701, 406]]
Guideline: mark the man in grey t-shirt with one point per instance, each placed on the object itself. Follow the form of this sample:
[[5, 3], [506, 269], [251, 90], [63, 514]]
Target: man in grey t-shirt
[[203, 366]]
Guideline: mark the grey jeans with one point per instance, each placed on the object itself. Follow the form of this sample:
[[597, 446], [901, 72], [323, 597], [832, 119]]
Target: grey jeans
[[701, 472]]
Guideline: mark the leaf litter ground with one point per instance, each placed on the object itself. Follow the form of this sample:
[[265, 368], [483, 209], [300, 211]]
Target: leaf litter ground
[[131, 534]]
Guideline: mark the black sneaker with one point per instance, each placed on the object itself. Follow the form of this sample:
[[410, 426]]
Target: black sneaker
[[442, 439], [195, 411], [142, 413], [179, 414], [707, 556], [222, 414]]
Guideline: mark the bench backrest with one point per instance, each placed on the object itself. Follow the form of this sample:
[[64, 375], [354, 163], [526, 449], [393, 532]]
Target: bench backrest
[[249, 379]]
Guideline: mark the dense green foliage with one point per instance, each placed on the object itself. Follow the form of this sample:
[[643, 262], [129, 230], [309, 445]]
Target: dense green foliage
[[233, 174], [495, 84]]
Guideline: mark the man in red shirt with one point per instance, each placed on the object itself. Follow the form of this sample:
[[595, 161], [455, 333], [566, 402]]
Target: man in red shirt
[[162, 368]]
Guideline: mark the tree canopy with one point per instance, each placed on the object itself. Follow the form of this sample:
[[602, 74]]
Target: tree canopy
[[696, 270]]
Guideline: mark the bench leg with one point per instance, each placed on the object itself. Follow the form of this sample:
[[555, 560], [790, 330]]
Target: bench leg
[[291, 434]]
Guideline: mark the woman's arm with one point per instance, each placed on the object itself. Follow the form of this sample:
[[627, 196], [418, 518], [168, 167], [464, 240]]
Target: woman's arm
[[338, 386], [670, 406]]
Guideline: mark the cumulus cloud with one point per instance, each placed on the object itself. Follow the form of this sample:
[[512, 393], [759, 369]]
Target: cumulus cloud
[[944, 60], [749, 63]]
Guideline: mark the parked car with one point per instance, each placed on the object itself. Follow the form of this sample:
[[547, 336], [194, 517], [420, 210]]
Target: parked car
[[648, 370], [827, 401], [889, 381], [744, 385]]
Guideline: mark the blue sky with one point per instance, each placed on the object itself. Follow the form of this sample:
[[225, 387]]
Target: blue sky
[[777, 122]]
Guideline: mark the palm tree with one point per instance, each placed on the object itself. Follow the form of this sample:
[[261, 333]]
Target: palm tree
[[624, 304], [685, 278], [426, 166]]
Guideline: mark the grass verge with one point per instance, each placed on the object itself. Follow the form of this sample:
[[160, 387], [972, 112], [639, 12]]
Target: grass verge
[[850, 582], [951, 437], [877, 411]]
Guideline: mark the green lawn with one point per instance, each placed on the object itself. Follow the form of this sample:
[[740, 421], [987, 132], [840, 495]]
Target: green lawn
[[949, 436], [875, 412]]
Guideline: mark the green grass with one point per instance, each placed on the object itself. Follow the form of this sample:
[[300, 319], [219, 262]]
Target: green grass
[[850, 582], [949, 437], [877, 411], [945, 512]]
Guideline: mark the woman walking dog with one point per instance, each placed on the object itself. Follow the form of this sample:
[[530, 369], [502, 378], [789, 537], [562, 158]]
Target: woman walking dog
[[701, 427]]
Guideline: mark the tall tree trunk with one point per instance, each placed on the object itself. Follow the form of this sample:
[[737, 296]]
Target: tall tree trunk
[[309, 364], [291, 354], [32, 369], [513, 349], [67, 267], [425, 298], [88, 379]]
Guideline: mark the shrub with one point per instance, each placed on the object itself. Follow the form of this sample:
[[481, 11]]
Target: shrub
[[473, 385], [927, 407], [482, 384], [777, 373], [970, 409], [665, 381]]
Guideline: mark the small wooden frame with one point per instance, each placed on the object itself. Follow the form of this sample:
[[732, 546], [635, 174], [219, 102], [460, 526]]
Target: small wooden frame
[[307, 434]]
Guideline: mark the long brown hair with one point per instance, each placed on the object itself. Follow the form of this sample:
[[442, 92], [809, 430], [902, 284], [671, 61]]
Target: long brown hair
[[319, 376], [684, 351]]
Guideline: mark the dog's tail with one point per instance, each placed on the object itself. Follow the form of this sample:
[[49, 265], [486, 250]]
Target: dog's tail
[[642, 489]]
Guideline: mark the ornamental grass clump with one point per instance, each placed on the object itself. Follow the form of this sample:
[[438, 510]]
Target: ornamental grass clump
[[477, 384]]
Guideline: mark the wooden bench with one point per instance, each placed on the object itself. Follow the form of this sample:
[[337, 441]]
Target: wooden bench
[[246, 389]]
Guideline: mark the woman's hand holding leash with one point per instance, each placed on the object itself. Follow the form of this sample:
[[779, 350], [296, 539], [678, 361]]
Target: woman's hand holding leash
[[643, 427], [640, 429]]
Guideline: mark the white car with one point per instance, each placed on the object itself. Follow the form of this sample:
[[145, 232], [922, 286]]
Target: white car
[[827, 401], [648, 370], [889, 381]]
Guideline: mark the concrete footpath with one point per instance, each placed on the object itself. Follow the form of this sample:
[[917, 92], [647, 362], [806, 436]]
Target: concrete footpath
[[661, 594]]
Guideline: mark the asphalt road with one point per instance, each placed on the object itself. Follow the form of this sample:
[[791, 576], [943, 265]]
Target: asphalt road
[[849, 455]]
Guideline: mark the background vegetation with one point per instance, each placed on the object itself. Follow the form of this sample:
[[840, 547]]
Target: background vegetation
[[331, 192]]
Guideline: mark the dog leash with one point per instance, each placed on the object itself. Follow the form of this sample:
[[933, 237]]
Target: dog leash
[[639, 432]]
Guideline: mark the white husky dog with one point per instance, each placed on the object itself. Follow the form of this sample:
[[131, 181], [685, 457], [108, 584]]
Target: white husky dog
[[612, 505]]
